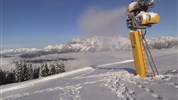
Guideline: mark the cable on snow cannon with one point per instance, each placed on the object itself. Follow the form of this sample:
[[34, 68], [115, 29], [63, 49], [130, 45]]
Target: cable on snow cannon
[[140, 18]]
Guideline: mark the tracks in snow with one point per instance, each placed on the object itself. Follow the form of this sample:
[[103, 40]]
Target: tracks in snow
[[111, 79], [68, 91], [115, 81]]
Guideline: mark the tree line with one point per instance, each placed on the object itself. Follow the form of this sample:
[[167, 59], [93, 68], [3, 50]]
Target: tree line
[[26, 71]]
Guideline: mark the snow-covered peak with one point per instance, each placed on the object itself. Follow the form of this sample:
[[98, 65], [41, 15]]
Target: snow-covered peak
[[95, 44], [163, 42], [53, 47], [20, 50]]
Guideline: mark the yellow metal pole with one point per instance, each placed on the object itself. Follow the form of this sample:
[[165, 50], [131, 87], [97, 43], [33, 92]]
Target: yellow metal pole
[[138, 53]]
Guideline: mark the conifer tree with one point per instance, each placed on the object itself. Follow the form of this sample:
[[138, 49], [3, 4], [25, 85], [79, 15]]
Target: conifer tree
[[44, 70], [59, 67], [10, 77], [52, 69], [25, 72], [36, 72], [19, 71], [30, 71], [62, 68], [2, 77]]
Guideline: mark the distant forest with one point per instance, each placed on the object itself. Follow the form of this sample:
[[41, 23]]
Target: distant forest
[[25, 71]]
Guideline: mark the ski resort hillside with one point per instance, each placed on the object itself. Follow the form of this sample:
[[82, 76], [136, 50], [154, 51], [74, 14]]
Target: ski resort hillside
[[97, 68], [109, 77]]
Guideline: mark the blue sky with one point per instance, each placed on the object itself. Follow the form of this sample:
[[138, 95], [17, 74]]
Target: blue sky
[[37, 23]]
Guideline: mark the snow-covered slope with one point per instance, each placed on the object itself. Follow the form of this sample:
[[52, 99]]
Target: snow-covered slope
[[106, 81], [96, 44]]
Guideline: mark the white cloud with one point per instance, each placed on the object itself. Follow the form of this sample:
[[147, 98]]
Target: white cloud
[[101, 22]]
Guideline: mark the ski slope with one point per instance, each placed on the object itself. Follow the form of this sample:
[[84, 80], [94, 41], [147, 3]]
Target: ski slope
[[110, 81]]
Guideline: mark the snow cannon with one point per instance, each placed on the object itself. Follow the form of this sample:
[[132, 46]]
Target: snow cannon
[[139, 18], [148, 18]]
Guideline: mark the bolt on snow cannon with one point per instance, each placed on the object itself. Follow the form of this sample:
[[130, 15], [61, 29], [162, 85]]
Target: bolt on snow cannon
[[140, 18]]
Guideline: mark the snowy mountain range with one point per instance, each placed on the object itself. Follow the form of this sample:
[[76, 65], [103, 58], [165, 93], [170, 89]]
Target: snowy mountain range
[[95, 44]]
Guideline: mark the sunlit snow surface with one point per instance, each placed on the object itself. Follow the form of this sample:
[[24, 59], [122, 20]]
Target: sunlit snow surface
[[102, 76]]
